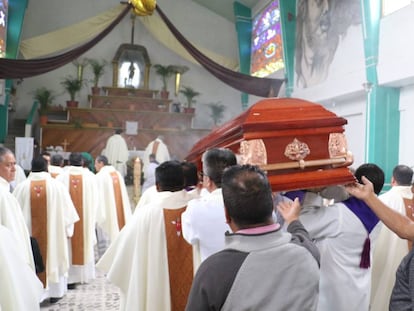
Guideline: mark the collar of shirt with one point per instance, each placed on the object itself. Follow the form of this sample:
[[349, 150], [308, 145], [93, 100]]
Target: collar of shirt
[[260, 230]]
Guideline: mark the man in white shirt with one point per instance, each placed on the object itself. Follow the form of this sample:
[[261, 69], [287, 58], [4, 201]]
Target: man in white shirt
[[204, 223]]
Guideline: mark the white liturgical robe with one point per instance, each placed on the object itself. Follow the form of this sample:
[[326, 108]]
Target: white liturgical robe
[[91, 214], [107, 184], [20, 287], [117, 152], [161, 152], [389, 250], [61, 215], [11, 217], [137, 260]]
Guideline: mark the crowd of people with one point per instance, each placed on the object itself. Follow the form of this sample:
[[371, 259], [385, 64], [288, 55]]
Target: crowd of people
[[213, 238]]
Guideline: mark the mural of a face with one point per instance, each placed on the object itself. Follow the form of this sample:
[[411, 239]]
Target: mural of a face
[[320, 24], [317, 21]]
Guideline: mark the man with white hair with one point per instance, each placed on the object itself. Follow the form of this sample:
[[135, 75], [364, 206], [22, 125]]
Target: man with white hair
[[11, 215]]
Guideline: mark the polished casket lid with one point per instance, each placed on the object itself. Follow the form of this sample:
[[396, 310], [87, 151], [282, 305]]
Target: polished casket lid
[[298, 143]]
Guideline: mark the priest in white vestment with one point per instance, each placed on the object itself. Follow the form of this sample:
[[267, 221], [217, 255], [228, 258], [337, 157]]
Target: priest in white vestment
[[56, 165], [85, 196], [61, 216], [20, 287], [157, 147], [20, 176], [116, 150], [115, 199], [390, 249], [11, 215], [138, 260]]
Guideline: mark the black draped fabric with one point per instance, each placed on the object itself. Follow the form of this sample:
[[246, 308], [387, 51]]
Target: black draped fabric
[[21, 68], [263, 87]]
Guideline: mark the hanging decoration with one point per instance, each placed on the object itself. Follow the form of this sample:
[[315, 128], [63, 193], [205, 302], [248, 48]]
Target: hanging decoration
[[143, 7]]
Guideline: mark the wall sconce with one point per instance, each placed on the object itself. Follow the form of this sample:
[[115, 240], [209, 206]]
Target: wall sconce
[[179, 70], [367, 86]]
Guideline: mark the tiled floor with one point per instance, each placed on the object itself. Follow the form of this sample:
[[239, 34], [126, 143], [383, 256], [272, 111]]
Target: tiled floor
[[99, 294]]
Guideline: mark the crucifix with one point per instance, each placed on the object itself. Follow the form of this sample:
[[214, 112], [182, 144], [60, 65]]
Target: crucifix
[[65, 144]]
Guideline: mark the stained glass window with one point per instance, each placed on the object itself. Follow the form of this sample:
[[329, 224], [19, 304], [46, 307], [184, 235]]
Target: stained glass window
[[267, 48]]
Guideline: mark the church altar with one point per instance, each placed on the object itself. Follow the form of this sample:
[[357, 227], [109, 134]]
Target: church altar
[[88, 129]]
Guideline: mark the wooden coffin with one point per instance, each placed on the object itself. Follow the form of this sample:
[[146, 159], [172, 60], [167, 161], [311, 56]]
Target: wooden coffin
[[298, 143]]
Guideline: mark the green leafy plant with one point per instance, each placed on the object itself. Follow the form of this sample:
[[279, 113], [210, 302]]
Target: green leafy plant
[[217, 111], [189, 94], [72, 85], [165, 72], [98, 69], [45, 98]]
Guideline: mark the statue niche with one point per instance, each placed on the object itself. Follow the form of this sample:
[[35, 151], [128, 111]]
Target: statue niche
[[131, 67]]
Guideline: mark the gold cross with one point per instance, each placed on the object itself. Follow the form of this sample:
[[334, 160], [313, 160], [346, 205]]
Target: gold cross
[[65, 144]]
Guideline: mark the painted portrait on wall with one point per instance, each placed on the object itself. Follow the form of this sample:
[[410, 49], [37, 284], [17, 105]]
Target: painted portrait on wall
[[320, 26]]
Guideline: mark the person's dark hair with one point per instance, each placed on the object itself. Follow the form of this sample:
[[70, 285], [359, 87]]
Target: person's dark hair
[[169, 176], [190, 174], [39, 164], [153, 158], [103, 159], [374, 174], [56, 160], [403, 175], [215, 161], [247, 195], [3, 152], [118, 131], [76, 159]]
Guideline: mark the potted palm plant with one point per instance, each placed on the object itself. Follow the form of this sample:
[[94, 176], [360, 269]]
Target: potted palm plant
[[45, 98], [98, 70], [217, 110], [165, 72], [189, 94], [72, 85]]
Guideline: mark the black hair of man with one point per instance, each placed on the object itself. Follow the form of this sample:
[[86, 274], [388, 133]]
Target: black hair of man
[[102, 159], [403, 175], [169, 176], [118, 131], [374, 174], [190, 174], [3, 152], [76, 159], [57, 160], [215, 161], [39, 164], [247, 195], [153, 158]]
